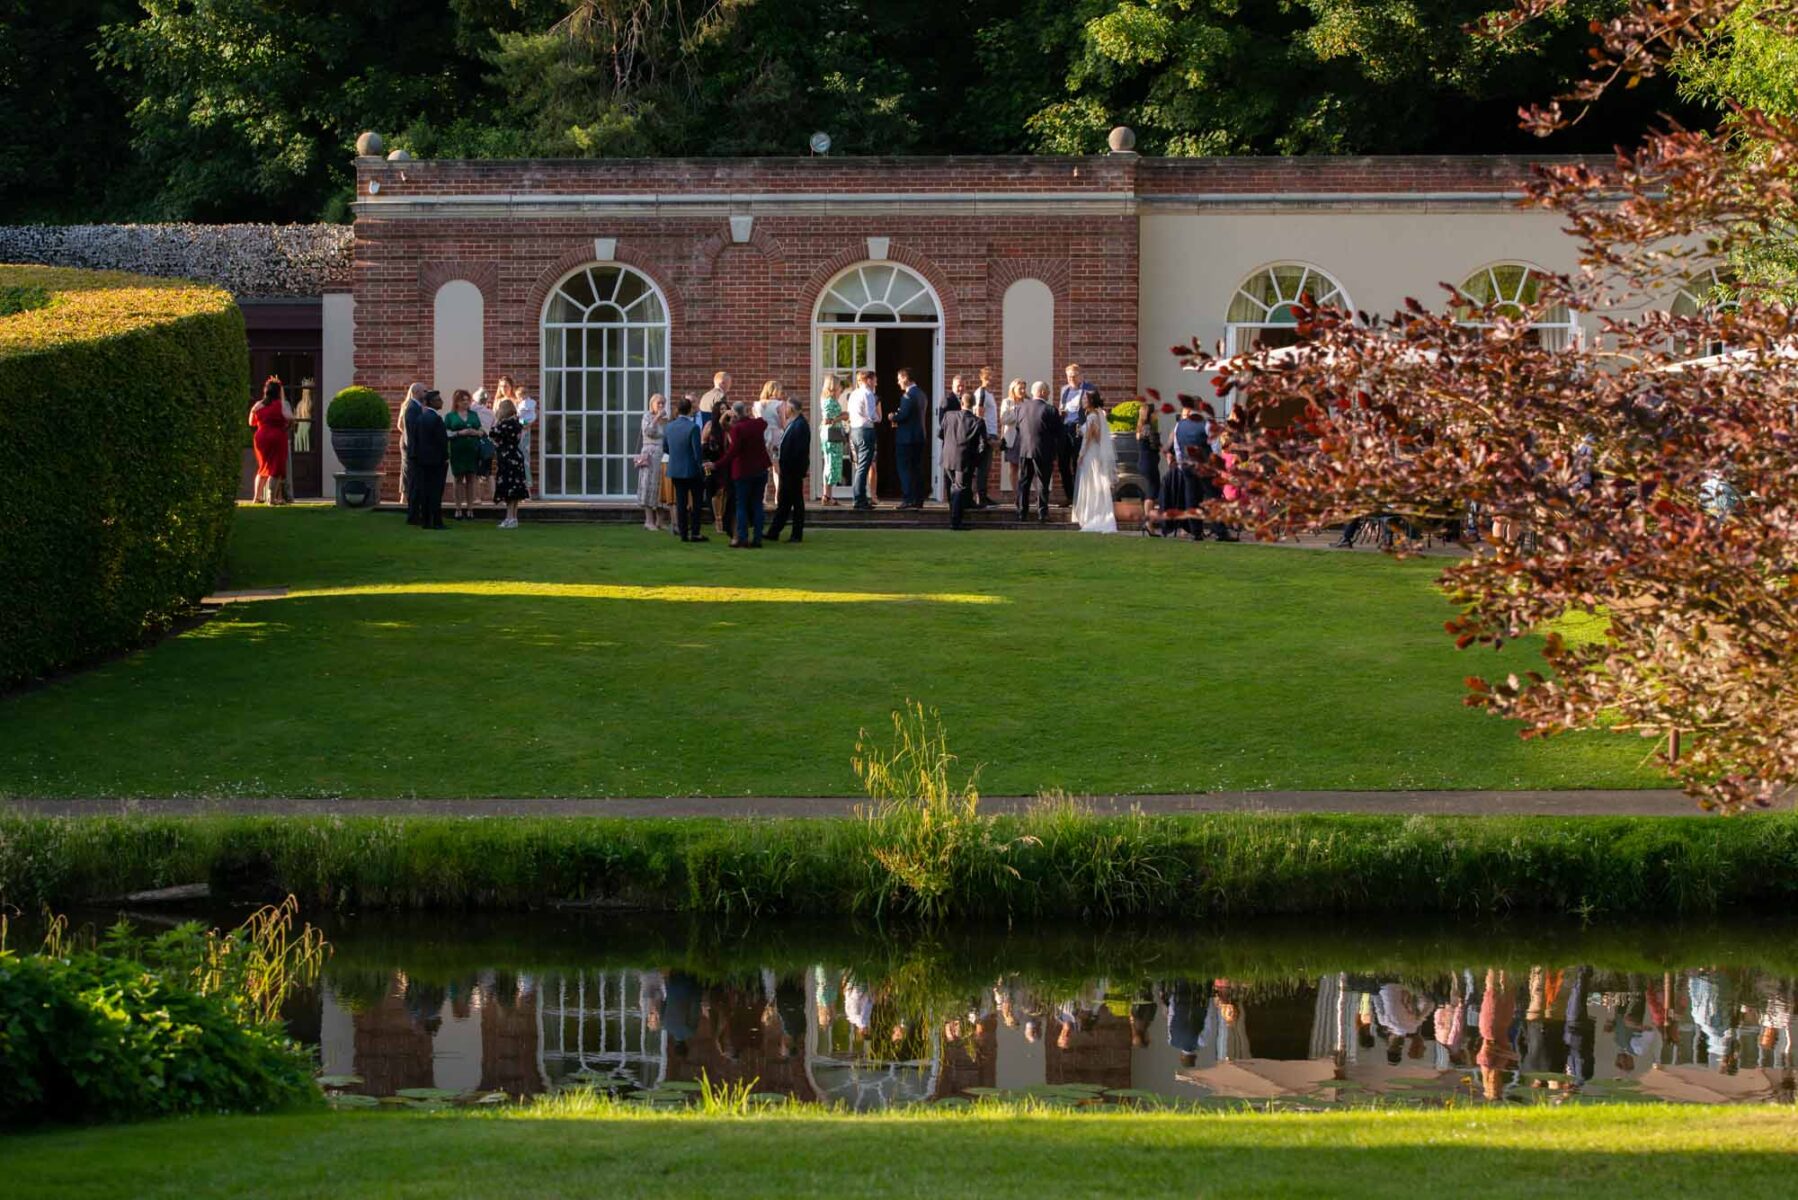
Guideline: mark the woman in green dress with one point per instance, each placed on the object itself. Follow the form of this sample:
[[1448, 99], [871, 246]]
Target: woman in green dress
[[464, 428], [833, 438]]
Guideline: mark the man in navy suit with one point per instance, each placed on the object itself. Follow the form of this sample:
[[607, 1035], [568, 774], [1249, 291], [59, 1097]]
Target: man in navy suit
[[1039, 440], [964, 449], [686, 470], [795, 461], [908, 439], [430, 461]]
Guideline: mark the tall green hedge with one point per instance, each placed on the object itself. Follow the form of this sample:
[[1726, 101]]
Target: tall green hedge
[[120, 402]]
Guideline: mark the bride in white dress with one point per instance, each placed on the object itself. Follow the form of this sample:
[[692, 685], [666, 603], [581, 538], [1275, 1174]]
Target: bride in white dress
[[1098, 463]]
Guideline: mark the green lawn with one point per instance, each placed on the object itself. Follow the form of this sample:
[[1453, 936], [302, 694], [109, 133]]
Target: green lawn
[[1578, 1153], [596, 661]]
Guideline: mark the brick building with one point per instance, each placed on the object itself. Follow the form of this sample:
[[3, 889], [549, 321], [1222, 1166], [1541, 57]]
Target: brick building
[[597, 283]]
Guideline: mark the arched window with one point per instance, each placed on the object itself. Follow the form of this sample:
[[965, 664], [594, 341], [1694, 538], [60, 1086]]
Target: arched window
[[879, 293], [1261, 313], [605, 352], [1708, 294], [1514, 290]]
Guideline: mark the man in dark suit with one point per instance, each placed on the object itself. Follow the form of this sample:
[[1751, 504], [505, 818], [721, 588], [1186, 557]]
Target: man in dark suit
[[430, 461], [410, 407], [1038, 441], [964, 450], [686, 471], [794, 461], [951, 404], [908, 439]]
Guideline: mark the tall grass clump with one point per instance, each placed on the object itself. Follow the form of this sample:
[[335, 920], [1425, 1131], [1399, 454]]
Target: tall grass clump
[[922, 822]]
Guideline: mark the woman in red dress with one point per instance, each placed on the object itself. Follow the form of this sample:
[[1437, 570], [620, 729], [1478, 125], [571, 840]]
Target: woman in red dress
[[268, 417]]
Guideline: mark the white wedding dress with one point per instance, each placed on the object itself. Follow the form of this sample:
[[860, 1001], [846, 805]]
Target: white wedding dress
[[1092, 489]]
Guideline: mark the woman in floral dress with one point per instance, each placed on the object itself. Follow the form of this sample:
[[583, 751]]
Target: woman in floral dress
[[831, 423], [649, 462], [509, 483]]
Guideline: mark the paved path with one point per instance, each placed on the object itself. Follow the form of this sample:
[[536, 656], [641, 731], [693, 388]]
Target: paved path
[[1549, 803]]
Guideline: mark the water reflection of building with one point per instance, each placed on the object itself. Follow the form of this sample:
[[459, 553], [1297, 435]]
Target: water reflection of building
[[1692, 1033]]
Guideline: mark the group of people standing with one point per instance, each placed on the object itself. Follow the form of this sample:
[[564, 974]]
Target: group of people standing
[[482, 443], [718, 456]]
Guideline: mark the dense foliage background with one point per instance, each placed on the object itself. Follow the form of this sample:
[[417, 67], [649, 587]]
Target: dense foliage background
[[248, 109]]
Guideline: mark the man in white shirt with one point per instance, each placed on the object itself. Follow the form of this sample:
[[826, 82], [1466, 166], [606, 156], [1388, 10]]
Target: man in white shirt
[[1073, 419], [864, 433], [986, 405]]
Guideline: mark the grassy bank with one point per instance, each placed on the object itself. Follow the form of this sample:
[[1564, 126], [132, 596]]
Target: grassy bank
[[1587, 1152], [568, 660], [1056, 861]]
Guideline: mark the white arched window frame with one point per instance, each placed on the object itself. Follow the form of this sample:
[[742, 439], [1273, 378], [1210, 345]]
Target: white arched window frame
[[878, 293], [1706, 294], [1515, 289], [1262, 313], [605, 352]]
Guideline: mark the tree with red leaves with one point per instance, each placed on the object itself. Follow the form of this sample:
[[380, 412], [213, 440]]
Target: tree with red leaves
[[1645, 480]]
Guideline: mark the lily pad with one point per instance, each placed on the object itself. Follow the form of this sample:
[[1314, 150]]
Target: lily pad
[[353, 1100], [338, 1081], [430, 1093]]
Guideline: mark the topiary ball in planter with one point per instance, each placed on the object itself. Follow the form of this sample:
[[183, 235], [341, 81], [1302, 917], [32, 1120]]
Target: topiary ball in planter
[[359, 420]]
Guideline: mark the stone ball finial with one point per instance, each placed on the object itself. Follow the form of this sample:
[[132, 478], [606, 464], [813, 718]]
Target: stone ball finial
[[369, 145], [1122, 140], [399, 156]]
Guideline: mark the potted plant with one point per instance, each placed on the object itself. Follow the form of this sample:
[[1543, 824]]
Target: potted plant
[[359, 420]]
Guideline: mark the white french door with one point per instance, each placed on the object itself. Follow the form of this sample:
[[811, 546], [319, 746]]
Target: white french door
[[841, 352]]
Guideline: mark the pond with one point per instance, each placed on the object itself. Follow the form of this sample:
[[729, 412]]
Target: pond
[[1313, 1014]]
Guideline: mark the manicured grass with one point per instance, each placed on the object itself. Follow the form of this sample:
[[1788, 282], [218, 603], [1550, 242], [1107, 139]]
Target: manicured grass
[[1584, 1152], [598, 661], [1052, 863]]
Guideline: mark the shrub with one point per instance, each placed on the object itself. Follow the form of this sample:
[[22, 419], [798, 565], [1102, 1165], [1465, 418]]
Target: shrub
[[358, 408], [120, 407], [1123, 416], [18, 299], [183, 1023]]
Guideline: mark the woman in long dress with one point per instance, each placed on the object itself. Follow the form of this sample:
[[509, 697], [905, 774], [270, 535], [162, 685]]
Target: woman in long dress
[[1098, 464], [508, 465], [832, 421], [270, 420], [649, 462]]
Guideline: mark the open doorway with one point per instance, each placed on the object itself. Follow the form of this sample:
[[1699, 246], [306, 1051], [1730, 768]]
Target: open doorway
[[915, 350]]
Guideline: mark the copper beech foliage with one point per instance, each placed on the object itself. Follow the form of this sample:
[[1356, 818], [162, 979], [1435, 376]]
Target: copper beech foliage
[[1615, 479]]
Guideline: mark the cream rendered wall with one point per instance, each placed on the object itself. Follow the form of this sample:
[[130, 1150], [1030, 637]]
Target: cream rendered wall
[[1029, 335], [1192, 264], [338, 370], [458, 340]]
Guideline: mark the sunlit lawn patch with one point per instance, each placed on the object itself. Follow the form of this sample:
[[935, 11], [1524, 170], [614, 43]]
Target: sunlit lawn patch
[[608, 661]]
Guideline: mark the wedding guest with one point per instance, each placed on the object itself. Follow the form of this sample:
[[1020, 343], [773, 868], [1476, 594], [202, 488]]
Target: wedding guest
[[864, 434], [509, 486], [649, 462], [951, 404], [1038, 442], [1008, 435], [833, 438], [482, 407], [1182, 482], [403, 425], [769, 407], [430, 460], [716, 395], [908, 439], [721, 496], [793, 457], [1073, 415], [1148, 445], [463, 429], [964, 447], [986, 407], [745, 457], [269, 418], [686, 469]]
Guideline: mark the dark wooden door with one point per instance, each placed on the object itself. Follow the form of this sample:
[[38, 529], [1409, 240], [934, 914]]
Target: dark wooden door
[[915, 350], [297, 369]]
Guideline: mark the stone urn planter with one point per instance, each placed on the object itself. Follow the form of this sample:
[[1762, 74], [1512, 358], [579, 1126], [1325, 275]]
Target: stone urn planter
[[1129, 483], [359, 450]]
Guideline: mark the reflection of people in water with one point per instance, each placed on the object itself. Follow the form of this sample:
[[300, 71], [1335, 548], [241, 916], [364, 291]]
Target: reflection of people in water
[[788, 1011], [1226, 1023], [1188, 1004], [1715, 1007], [681, 1009], [1400, 1012], [652, 997], [1498, 1008], [1142, 1015]]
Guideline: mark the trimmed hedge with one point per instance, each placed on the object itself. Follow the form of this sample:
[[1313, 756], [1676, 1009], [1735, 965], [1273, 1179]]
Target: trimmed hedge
[[1051, 864], [120, 407], [358, 408]]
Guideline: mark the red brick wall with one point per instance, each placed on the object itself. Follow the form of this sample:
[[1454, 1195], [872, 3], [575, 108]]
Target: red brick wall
[[745, 308]]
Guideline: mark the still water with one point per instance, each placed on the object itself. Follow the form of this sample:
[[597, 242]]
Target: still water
[[1394, 1013]]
